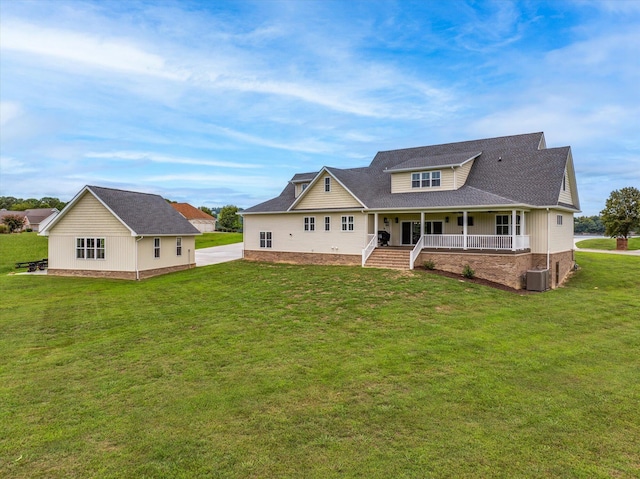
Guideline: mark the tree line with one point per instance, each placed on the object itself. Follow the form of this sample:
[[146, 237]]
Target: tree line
[[18, 204]]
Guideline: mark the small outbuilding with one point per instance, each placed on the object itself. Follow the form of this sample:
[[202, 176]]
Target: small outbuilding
[[105, 232], [204, 222]]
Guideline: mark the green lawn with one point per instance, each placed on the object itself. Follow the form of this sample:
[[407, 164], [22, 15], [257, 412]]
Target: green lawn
[[20, 247], [207, 240], [249, 370], [607, 243]]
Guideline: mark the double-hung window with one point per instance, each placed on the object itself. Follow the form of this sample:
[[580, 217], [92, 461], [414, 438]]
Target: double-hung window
[[327, 223], [327, 184], [309, 223], [156, 247], [503, 225], [347, 223], [425, 179], [265, 239], [90, 248], [178, 246]]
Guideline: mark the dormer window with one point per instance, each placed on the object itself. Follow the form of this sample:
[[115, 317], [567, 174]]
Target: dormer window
[[304, 186], [425, 179]]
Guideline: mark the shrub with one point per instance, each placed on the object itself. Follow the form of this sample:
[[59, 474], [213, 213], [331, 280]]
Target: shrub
[[4, 229], [429, 264], [467, 272], [14, 222]]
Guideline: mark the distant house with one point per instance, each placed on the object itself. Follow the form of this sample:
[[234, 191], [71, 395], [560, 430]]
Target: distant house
[[35, 218], [503, 206], [198, 218], [105, 232], [38, 218]]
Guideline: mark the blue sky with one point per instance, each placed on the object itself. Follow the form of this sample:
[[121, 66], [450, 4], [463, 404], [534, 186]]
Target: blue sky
[[218, 103]]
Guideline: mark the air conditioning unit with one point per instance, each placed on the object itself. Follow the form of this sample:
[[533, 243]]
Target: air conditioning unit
[[537, 280]]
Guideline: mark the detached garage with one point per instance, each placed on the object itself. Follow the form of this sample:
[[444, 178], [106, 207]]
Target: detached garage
[[105, 232]]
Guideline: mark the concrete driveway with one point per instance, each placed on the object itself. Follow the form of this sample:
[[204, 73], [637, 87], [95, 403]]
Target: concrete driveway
[[219, 254]]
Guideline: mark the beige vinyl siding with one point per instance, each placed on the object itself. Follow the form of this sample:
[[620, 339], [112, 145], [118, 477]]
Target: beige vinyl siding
[[89, 218], [560, 237], [401, 182], [462, 173], [288, 233], [565, 195], [119, 253], [298, 188], [317, 198], [168, 256]]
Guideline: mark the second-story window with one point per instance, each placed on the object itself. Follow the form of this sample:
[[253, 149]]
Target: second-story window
[[327, 183], [425, 179]]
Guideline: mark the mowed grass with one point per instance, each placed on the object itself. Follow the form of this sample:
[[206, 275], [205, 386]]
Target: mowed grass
[[21, 247], [207, 240], [250, 370], [607, 243]]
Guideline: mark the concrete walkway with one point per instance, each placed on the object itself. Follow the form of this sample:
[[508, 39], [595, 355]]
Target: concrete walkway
[[219, 254]]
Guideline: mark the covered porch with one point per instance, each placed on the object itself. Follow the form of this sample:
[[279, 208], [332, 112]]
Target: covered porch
[[468, 230]]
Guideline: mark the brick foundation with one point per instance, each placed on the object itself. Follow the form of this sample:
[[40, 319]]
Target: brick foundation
[[507, 269], [130, 275], [303, 258]]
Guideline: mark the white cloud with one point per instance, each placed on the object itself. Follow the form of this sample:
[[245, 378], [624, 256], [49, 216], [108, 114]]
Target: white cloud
[[244, 181], [8, 111], [306, 146], [100, 52], [157, 158], [11, 166]]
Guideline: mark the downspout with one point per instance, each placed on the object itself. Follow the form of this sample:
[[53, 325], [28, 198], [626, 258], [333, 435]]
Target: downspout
[[548, 238], [137, 271]]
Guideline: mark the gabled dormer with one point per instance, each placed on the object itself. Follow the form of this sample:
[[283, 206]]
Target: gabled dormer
[[432, 173], [301, 181]]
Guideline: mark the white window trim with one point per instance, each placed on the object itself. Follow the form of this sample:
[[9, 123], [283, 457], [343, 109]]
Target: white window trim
[[348, 223], [309, 224], [95, 248], [509, 225], [327, 223], [426, 177], [179, 246], [559, 220], [157, 248], [266, 239], [327, 184]]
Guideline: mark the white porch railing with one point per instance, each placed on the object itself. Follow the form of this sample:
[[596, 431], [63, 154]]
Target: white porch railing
[[366, 252], [499, 242], [416, 251]]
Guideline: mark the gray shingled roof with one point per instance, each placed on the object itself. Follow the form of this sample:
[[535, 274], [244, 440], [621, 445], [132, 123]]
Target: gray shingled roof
[[453, 159], [145, 214], [511, 170]]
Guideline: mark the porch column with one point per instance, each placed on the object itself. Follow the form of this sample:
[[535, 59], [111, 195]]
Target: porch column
[[513, 230], [421, 224], [464, 230], [523, 229], [375, 224]]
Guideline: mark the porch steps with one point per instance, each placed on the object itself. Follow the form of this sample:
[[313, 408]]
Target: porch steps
[[389, 258]]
